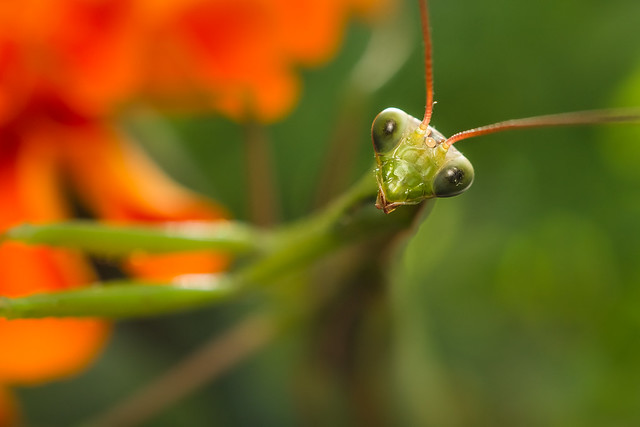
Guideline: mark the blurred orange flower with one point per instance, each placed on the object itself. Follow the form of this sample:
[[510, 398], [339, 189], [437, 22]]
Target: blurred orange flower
[[66, 68]]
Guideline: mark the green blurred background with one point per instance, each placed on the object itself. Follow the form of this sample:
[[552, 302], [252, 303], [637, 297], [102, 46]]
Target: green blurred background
[[517, 303]]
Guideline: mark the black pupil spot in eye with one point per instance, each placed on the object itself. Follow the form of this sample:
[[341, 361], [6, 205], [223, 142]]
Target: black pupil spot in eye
[[389, 127], [455, 176]]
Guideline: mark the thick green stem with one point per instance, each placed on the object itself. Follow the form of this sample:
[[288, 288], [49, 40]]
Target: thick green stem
[[349, 219]]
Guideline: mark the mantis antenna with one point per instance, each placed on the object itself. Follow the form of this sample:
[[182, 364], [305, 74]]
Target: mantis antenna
[[428, 64], [562, 119]]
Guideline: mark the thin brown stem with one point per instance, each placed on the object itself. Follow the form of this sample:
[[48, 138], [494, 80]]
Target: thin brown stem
[[200, 368], [263, 205]]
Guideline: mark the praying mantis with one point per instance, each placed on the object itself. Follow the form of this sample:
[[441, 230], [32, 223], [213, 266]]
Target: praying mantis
[[415, 162]]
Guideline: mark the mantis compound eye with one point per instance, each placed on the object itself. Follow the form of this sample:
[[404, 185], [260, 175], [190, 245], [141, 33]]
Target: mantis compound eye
[[454, 178], [388, 127]]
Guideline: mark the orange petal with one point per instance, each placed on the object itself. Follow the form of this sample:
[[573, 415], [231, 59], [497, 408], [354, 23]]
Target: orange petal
[[27, 270], [265, 98], [275, 95], [94, 54], [29, 178], [311, 30], [38, 176], [44, 349], [168, 266], [16, 81]]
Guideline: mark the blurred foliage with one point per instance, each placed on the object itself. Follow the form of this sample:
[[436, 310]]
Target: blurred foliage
[[514, 304]]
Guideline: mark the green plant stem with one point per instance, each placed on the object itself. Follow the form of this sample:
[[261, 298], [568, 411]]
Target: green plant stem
[[114, 300], [349, 219], [110, 240]]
